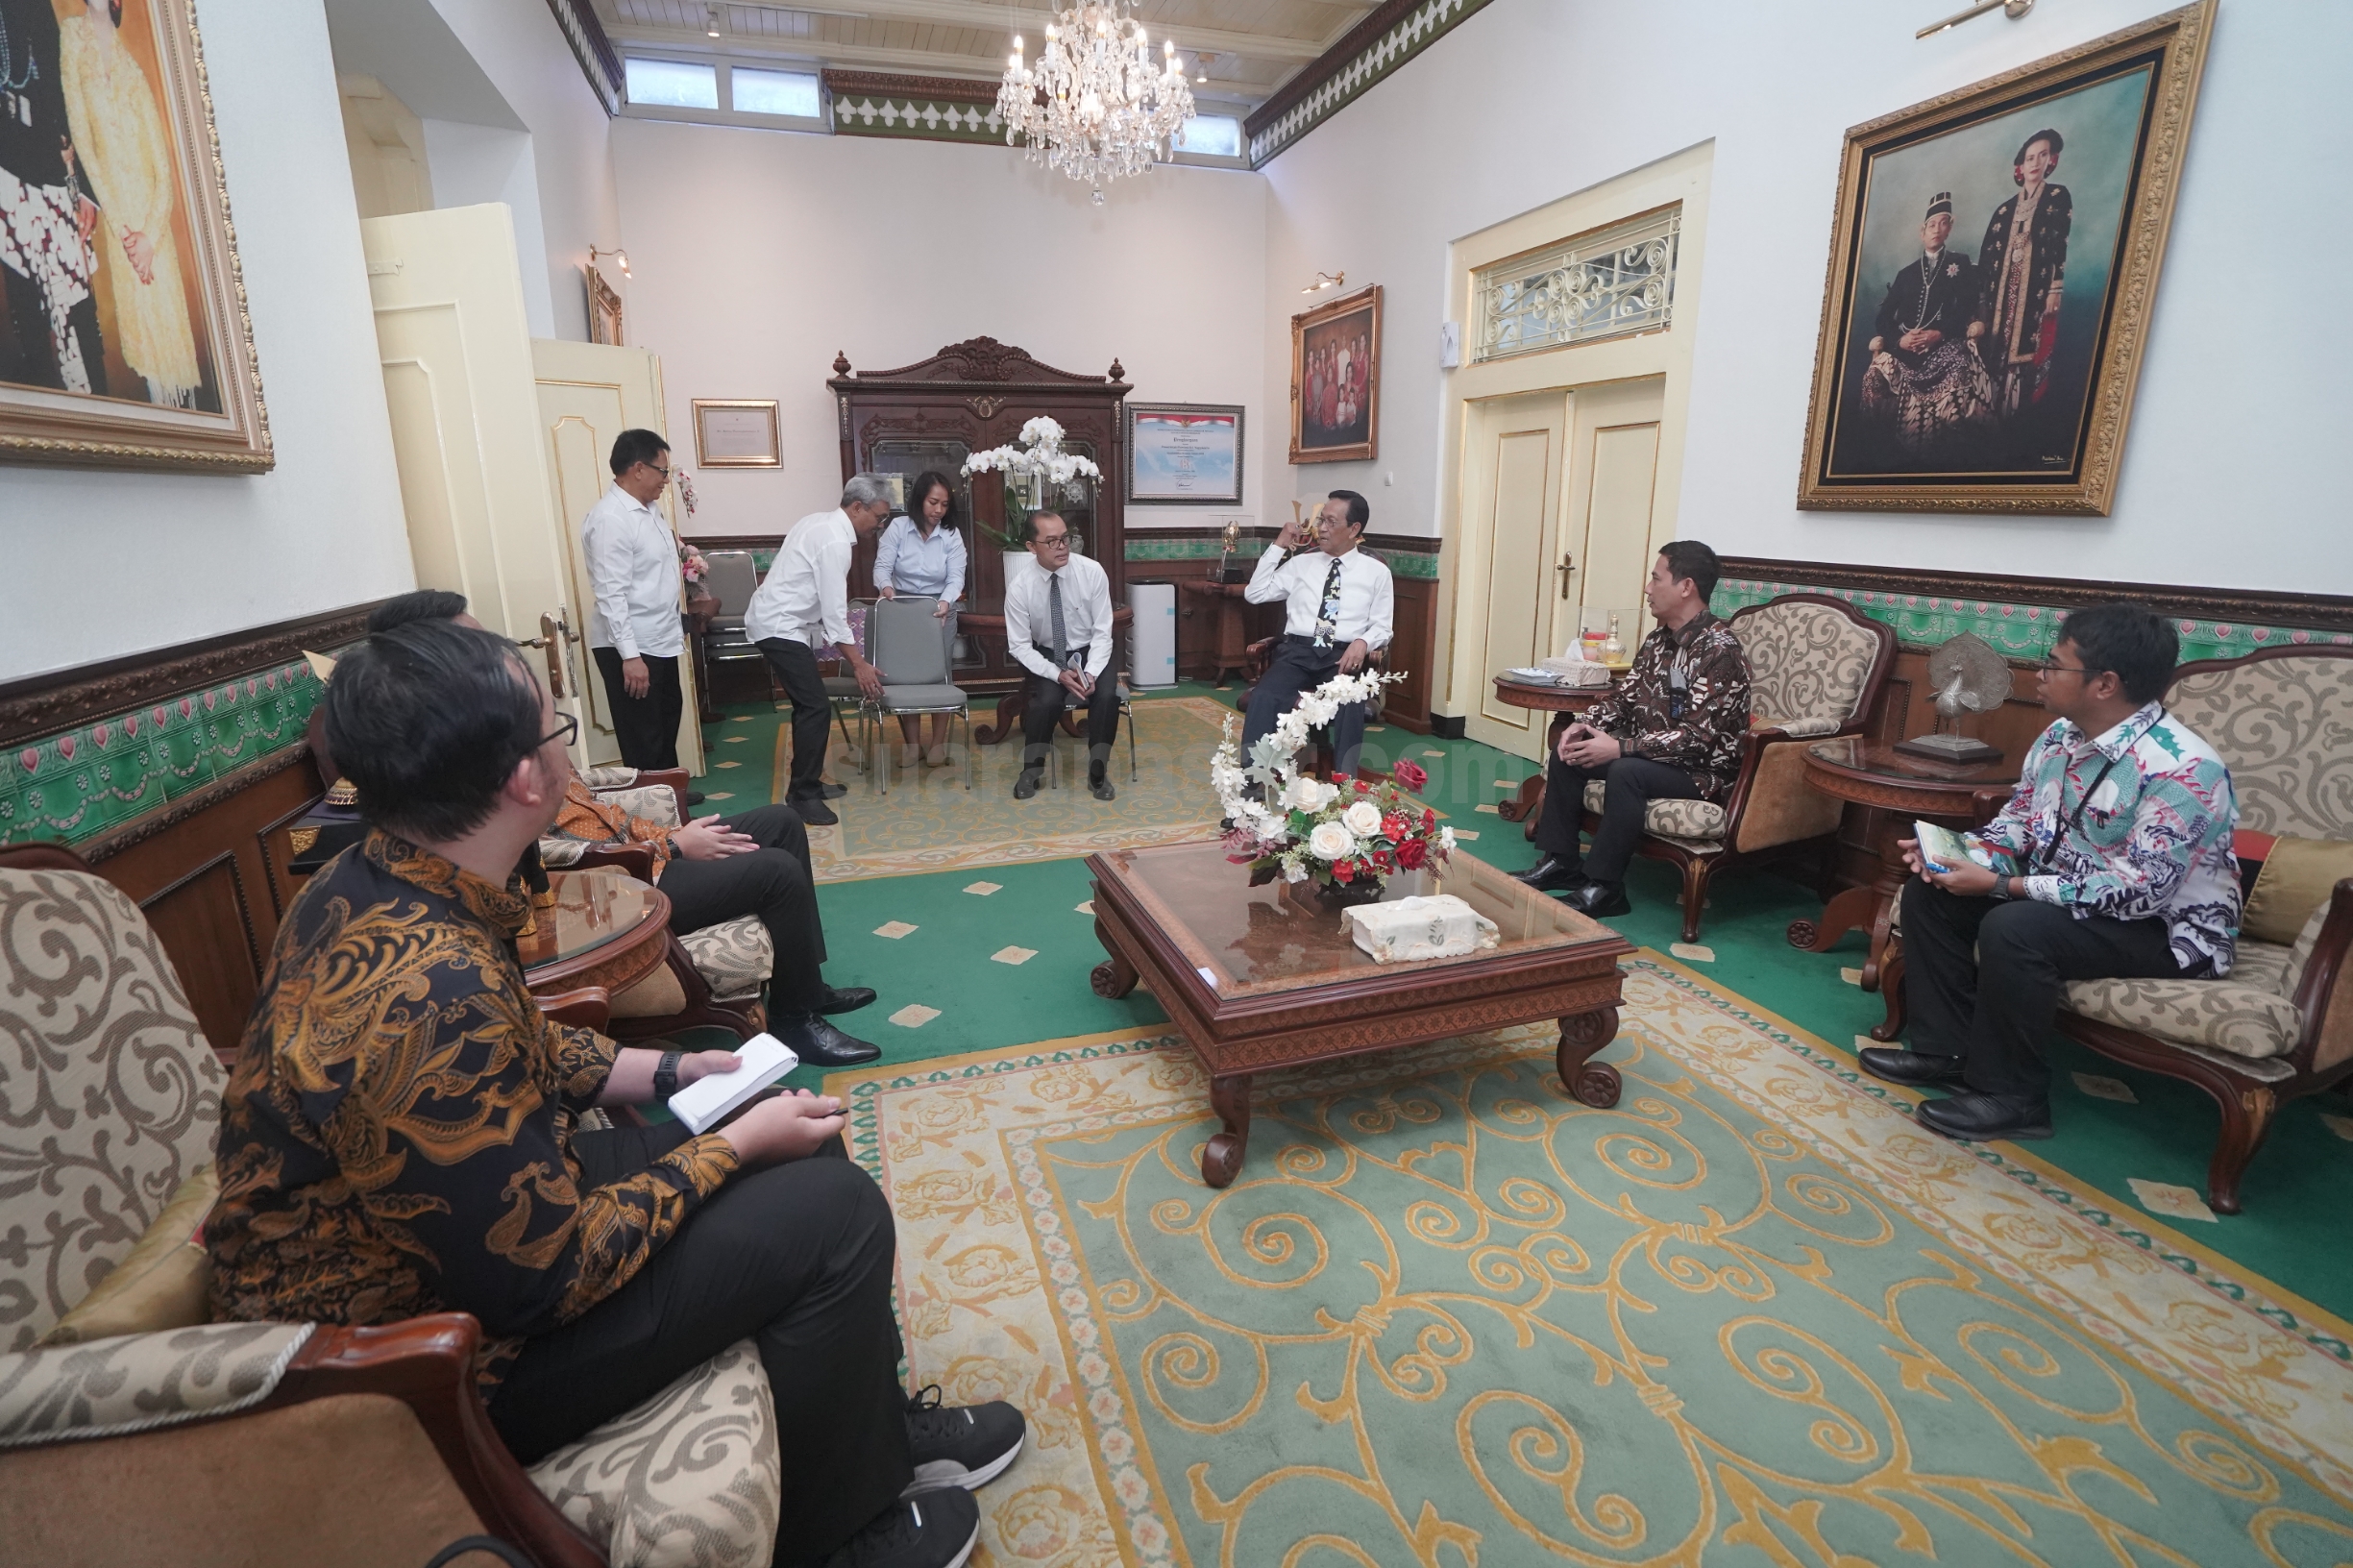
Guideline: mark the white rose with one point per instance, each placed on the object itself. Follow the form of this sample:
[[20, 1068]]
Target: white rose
[[1324, 794], [1446, 839], [1331, 842], [1363, 818]]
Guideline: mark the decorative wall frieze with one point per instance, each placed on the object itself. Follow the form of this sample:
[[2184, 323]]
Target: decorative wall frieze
[[600, 62], [920, 108], [1393, 34]]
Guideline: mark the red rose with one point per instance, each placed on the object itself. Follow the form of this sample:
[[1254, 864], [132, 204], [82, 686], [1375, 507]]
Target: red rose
[[1413, 852], [1409, 775], [1429, 821], [1343, 871], [1363, 788]]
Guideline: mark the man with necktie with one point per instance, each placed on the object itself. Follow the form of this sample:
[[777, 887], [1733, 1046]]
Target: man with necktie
[[1057, 624], [1340, 605]]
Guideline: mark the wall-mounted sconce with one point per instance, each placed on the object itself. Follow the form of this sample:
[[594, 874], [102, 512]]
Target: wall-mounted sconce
[[620, 256], [2012, 9], [710, 21], [1324, 281]]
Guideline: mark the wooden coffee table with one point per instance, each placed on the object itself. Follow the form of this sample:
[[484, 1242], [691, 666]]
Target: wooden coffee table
[[1260, 978], [605, 928]]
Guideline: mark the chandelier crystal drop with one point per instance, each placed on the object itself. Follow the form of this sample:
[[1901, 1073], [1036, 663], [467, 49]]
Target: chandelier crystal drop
[[1097, 106]]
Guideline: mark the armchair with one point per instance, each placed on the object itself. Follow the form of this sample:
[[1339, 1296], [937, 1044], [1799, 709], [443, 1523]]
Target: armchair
[[1816, 666], [1259, 655], [218, 1443]]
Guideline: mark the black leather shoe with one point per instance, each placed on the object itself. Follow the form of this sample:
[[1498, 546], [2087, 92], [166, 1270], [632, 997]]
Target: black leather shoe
[[1550, 874], [1981, 1119], [1100, 789], [814, 1040], [831, 791], [694, 798], [846, 998], [813, 811], [1027, 785], [1599, 899], [1902, 1066]]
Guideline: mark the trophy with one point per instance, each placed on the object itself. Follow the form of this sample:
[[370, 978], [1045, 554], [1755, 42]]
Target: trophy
[[1231, 536]]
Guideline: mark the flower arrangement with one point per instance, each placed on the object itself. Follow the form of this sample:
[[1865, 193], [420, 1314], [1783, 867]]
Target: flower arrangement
[[1038, 466], [1350, 837]]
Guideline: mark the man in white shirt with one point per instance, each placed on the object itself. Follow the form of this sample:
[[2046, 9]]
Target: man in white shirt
[[802, 606], [636, 633], [1340, 606], [1057, 624]]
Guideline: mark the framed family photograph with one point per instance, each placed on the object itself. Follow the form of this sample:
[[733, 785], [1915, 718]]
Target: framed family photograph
[[1185, 454], [1993, 270], [1336, 380], [126, 342]]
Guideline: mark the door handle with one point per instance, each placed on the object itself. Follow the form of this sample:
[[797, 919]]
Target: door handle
[[551, 640], [1567, 568]]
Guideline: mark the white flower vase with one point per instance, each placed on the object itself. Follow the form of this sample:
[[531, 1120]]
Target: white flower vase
[[1017, 564]]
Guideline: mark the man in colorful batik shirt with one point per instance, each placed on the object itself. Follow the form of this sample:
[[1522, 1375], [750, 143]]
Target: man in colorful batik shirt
[[2111, 860]]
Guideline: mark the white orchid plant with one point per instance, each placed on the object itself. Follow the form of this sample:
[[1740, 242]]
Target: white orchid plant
[[1039, 465], [1345, 836]]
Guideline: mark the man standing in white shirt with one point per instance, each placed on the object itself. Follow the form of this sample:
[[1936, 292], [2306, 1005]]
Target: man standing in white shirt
[[1340, 606], [1057, 624], [636, 633], [802, 606]]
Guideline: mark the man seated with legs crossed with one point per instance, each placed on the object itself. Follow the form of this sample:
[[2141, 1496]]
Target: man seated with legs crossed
[[1057, 624], [399, 1138], [1673, 730], [1339, 605], [2111, 861]]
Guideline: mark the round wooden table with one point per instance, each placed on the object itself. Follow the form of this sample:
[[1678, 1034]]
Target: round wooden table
[[1011, 706], [1233, 650], [1565, 703], [607, 929], [1902, 788]]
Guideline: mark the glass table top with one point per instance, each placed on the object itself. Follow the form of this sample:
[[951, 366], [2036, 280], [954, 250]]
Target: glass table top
[[591, 908], [1857, 754]]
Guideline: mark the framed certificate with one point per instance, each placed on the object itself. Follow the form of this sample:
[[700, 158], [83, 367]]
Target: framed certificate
[[736, 432], [1185, 454]]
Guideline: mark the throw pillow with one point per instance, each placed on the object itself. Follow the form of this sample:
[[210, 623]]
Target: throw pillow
[[163, 1281], [2297, 877]]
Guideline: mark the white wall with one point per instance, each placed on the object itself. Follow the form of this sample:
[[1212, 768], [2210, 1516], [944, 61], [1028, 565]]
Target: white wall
[[474, 165], [758, 254], [104, 563], [2229, 476]]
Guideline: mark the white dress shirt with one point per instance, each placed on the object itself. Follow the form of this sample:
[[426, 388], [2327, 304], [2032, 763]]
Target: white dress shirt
[[1368, 598], [908, 563], [805, 596], [633, 572], [1086, 617]]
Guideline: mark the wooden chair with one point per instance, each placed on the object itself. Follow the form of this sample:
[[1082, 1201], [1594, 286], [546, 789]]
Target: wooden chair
[[1816, 668], [2280, 1025]]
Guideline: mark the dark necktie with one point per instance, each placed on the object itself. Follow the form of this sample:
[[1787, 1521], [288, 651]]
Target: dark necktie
[[1062, 632], [1328, 616]]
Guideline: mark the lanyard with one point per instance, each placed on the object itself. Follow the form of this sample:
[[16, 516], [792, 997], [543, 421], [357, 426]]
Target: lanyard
[[2070, 823]]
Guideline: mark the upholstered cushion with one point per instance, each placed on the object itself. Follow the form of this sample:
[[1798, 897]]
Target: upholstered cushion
[[1701, 819], [1824, 725], [734, 958], [112, 1387], [2244, 1020], [686, 1479], [110, 1096], [2281, 724], [609, 776], [654, 802], [557, 855], [163, 1282], [2299, 875], [1807, 660], [921, 699]]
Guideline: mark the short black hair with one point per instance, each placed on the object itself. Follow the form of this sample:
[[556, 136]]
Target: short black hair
[[631, 448], [1359, 511], [1029, 527], [424, 604], [919, 491], [2133, 642], [1687, 559], [427, 719]]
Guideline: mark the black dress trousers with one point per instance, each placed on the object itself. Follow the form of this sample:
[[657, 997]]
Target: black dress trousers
[[646, 726]]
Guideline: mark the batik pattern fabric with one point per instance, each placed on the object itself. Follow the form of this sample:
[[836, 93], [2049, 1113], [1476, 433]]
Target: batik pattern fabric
[[396, 1135], [591, 818], [1703, 733], [2152, 841]]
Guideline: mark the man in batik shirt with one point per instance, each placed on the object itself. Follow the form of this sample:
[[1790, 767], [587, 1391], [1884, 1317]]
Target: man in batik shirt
[[2111, 860], [1673, 730]]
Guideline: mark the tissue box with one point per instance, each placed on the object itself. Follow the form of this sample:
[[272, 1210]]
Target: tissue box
[[1443, 926], [1579, 673]]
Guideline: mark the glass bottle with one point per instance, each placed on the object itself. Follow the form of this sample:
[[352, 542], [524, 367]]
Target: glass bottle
[[1613, 646]]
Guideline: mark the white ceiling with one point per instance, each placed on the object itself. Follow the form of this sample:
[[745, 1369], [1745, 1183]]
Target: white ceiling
[[1247, 48]]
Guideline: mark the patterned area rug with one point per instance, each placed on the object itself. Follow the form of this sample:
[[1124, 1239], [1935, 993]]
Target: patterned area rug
[[1448, 1316], [929, 822]]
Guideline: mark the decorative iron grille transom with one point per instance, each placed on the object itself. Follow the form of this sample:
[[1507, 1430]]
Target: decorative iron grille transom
[[1606, 283]]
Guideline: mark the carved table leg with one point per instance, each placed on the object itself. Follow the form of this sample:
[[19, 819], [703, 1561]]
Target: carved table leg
[[1114, 977], [1592, 1083], [1221, 1157], [1871, 907], [1009, 710], [1528, 804]]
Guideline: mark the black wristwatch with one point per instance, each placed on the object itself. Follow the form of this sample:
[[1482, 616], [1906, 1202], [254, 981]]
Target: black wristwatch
[[666, 1075]]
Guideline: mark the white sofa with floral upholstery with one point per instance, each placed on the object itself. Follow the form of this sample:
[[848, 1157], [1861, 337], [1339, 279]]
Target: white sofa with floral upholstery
[[132, 1430]]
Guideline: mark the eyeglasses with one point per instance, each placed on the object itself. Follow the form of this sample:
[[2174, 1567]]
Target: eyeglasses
[[1062, 542], [664, 472], [2052, 666], [567, 727]]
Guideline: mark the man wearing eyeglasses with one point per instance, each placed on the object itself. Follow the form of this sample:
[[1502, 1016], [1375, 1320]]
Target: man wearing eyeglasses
[[1058, 624], [635, 631]]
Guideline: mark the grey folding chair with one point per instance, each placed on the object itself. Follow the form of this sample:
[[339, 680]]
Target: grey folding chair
[[842, 691], [903, 640], [731, 580]]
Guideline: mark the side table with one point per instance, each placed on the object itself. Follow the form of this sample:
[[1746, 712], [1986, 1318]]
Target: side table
[[1232, 652], [606, 928], [1565, 703]]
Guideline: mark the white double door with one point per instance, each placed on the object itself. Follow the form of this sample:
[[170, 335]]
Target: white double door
[[501, 442], [1560, 489]]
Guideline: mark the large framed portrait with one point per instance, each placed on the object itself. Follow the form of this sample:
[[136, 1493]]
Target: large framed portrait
[[1336, 380], [126, 341], [1185, 454], [1993, 269]]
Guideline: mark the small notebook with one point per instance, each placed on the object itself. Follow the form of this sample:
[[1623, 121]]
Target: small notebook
[[1943, 850], [706, 1102]]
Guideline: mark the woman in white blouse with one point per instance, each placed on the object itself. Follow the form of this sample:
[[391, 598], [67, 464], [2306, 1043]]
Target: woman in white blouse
[[922, 554]]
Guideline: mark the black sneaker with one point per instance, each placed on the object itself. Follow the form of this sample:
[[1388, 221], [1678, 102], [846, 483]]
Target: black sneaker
[[937, 1530], [960, 1445]]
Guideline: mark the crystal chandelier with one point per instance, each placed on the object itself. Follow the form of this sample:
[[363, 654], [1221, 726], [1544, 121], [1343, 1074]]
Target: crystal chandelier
[[1097, 106]]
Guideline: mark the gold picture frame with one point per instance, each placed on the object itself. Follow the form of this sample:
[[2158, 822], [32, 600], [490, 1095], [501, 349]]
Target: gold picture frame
[[134, 347], [1336, 380], [2012, 390], [736, 432], [605, 308]]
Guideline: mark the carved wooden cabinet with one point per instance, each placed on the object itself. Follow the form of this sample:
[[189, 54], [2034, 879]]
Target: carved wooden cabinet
[[968, 398]]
